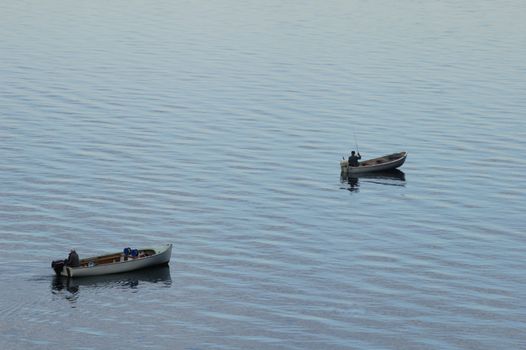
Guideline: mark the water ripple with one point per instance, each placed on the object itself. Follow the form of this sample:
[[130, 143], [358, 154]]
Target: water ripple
[[219, 129]]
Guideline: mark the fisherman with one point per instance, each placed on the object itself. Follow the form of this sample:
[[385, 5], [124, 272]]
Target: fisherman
[[353, 159], [73, 259]]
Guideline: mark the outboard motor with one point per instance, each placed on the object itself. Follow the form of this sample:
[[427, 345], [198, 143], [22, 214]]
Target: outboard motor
[[57, 265]]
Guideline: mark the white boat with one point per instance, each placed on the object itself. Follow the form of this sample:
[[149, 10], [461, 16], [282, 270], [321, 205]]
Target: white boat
[[116, 263], [388, 162]]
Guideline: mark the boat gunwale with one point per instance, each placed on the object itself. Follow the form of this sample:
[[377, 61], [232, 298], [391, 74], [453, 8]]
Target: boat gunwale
[[114, 255], [403, 155]]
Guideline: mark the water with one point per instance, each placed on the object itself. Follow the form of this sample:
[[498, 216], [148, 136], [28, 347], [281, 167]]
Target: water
[[218, 127]]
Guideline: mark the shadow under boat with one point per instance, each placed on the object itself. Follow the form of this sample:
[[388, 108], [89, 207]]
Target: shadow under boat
[[392, 177], [160, 274]]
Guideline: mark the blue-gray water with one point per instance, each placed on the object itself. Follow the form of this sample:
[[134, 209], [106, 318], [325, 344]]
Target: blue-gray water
[[218, 126]]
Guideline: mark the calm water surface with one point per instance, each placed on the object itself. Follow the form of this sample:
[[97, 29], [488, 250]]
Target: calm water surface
[[218, 127]]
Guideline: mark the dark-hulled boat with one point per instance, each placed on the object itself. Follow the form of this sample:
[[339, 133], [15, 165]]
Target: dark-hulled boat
[[388, 162]]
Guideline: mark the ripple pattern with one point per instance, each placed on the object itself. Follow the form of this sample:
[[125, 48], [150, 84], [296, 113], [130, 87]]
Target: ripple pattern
[[218, 127]]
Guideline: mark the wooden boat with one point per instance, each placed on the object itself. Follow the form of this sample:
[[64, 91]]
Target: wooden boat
[[388, 162], [128, 260]]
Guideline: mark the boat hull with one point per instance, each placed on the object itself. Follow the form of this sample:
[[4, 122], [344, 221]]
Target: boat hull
[[388, 162], [162, 256]]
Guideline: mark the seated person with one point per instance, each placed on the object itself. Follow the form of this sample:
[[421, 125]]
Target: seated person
[[353, 159], [73, 259]]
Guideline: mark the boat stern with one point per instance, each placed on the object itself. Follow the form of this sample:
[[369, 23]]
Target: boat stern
[[58, 266]]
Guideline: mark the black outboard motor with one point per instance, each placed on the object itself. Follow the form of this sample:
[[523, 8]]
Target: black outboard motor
[[57, 265]]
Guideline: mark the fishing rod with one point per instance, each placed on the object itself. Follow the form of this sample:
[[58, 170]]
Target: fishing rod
[[355, 142]]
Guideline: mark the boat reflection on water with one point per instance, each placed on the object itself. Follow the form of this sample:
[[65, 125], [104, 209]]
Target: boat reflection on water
[[393, 177], [156, 275]]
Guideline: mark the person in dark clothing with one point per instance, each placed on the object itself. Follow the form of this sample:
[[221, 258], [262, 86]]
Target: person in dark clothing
[[353, 159], [73, 259]]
